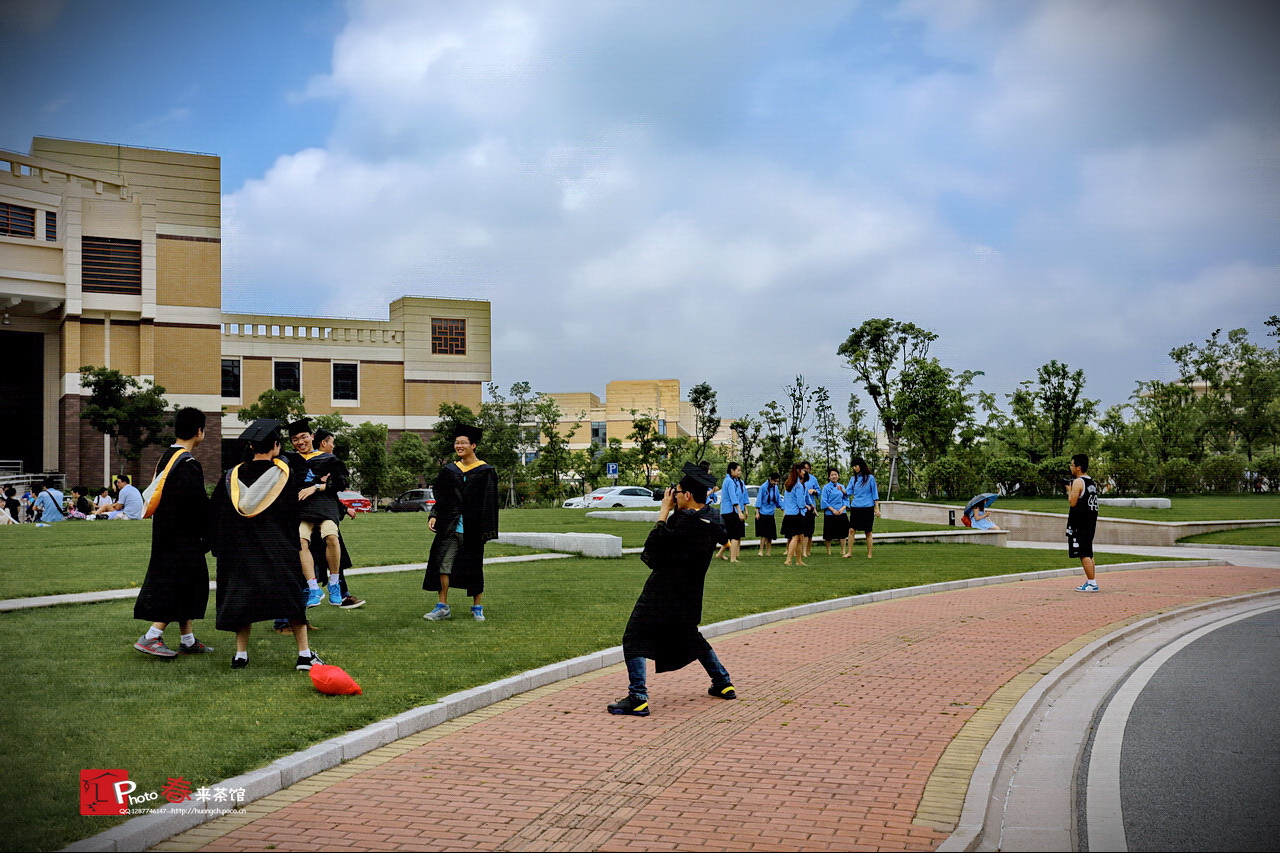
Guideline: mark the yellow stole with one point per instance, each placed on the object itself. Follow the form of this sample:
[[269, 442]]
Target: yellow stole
[[151, 497], [252, 500]]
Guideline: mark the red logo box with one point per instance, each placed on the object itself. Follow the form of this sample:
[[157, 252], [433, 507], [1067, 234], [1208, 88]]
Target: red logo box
[[104, 792]]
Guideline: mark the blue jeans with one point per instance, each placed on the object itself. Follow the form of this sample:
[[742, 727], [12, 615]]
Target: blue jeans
[[637, 668]]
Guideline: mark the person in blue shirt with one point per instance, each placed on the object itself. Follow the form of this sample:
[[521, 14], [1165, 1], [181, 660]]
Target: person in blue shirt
[[864, 502], [835, 524], [796, 510], [768, 499], [733, 511], [813, 492], [49, 503]]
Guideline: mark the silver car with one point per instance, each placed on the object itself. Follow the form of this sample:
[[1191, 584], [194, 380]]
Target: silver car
[[616, 496]]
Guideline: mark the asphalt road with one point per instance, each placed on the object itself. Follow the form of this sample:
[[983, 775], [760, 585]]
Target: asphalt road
[[1200, 766]]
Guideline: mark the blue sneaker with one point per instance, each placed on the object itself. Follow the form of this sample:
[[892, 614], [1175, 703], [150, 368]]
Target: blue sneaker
[[335, 594], [477, 612], [1088, 586], [441, 611], [314, 597]]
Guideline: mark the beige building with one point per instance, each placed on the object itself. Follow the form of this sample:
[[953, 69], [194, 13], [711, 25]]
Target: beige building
[[111, 256], [610, 418]]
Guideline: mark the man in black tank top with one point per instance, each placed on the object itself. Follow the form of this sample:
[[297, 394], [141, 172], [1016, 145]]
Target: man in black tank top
[[1082, 519]]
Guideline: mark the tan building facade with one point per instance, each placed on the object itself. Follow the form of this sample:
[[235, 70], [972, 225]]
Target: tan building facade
[[610, 418], [110, 256]]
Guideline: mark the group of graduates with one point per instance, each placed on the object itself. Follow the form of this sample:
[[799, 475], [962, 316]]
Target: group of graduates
[[272, 524], [847, 508]]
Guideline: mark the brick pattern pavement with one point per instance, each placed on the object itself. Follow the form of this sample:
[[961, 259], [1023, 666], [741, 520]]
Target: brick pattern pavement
[[843, 721]]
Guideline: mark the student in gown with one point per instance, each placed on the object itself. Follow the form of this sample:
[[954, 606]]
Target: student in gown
[[464, 518], [255, 539], [176, 588], [664, 622]]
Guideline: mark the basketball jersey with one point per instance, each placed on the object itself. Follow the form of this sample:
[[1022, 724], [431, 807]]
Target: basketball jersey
[[1083, 517]]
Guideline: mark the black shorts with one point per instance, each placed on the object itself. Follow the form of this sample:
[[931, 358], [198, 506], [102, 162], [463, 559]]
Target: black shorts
[[1079, 545], [792, 525], [862, 518], [766, 527], [834, 527], [735, 527]]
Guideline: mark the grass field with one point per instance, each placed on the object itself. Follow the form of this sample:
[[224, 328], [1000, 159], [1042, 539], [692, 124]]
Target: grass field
[[1266, 536], [79, 695], [78, 556], [1188, 508]]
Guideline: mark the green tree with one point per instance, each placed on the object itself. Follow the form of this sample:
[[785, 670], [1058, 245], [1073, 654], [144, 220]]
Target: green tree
[[554, 458], [509, 437], [647, 444], [1241, 382], [451, 416], [932, 406], [368, 461], [747, 430], [707, 421], [410, 463], [1050, 409], [785, 429], [283, 406], [1171, 421], [130, 413], [858, 440], [829, 431], [877, 352]]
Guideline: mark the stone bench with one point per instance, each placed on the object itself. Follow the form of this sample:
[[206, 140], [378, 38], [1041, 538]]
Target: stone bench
[[586, 544]]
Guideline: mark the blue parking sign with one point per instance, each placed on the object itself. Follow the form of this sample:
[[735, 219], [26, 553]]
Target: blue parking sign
[[611, 470]]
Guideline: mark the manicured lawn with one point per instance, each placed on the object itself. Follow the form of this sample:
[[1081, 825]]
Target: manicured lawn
[[1267, 536], [80, 697], [1184, 508], [79, 556]]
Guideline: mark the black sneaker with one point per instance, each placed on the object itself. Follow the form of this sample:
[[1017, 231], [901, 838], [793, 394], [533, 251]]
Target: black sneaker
[[305, 662], [630, 705], [351, 603], [196, 648], [239, 663], [726, 692]]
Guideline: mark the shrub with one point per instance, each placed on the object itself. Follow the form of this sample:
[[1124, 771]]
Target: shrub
[[1179, 476], [1130, 476], [1268, 469], [1223, 473], [1054, 475], [1011, 474], [950, 478]]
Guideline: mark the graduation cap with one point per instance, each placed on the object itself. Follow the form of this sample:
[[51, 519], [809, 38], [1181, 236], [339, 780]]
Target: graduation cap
[[263, 429], [471, 433], [296, 427], [693, 476]]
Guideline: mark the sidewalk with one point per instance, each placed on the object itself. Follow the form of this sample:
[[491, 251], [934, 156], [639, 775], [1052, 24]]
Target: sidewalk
[[857, 729]]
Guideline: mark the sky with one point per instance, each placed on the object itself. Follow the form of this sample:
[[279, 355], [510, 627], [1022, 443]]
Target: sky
[[712, 191]]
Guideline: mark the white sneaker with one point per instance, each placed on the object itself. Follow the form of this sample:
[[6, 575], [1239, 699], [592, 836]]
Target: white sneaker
[[1087, 586], [441, 611]]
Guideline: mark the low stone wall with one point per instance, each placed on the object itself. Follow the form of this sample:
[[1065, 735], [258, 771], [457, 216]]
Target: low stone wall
[[1051, 527], [586, 544]]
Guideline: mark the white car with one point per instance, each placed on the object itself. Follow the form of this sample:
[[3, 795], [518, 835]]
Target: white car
[[616, 496]]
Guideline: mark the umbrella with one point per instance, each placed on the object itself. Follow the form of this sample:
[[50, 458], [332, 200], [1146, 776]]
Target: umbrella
[[989, 498]]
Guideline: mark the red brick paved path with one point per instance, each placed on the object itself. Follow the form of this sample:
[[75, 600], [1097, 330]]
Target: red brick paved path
[[843, 717]]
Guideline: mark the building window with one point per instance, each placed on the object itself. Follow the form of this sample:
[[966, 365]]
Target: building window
[[51, 226], [17, 221], [346, 381], [288, 376], [231, 377], [110, 265], [662, 426], [599, 432], [448, 337]]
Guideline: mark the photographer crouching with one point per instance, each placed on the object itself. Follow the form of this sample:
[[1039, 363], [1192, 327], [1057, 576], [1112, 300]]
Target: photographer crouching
[[664, 623]]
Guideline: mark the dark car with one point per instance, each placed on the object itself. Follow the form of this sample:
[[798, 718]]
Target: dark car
[[414, 500]]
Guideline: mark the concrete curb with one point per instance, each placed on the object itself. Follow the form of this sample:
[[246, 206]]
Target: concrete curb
[[1267, 548], [982, 795], [143, 832]]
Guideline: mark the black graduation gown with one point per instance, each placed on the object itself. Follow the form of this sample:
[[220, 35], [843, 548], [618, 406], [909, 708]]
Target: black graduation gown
[[177, 584], [473, 497], [259, 572], [664, 623]]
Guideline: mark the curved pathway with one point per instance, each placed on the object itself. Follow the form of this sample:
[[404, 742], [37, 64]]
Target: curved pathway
[[857, 729]]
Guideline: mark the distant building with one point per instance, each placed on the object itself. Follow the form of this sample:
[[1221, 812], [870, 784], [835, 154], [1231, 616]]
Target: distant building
[[111, 256], [610, 418]]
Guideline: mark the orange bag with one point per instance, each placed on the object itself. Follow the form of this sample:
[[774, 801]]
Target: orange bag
[[334, 681]]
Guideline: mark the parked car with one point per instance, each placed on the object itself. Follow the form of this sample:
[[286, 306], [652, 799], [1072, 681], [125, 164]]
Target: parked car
[[414, 500], [616, 496], [355, 500]]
